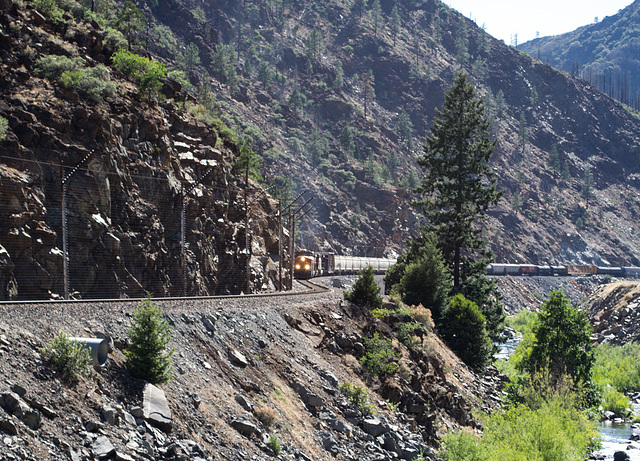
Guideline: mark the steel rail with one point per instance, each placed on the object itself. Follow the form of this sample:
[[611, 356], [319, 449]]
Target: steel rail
[[316, 289]]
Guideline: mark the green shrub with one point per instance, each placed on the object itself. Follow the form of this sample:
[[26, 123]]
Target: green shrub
[[379, 356], [553, 432], [53, 66], [274, 444], [50, 10], [130, 64], [70, 358], [615, 401], [92, 82], [4, 127], [115, 39], [148, 74], [408, 333], [365, 291], [464, 331], [358, 397], [147, 356], [617, 366]]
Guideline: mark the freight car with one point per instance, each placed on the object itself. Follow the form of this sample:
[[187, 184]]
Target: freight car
[[564, 270], [354, 264]]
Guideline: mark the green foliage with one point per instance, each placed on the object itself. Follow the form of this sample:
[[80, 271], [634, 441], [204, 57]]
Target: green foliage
[[615, 401], [223, 64], [347, 140], [53, 66], [379, 356], [464, 331], [152, 80], [554, 432], [523, 321], [148, 74], [147, 355], [4, 127], [457, 189], [405, 129], [427, 281], [165, 38], [562, 341], [190, 59], [129, 20], [314, 44], [50, 10], [91, 82], [554, 159], [248, 163], [366, 291], [68, 357], [617, 366], [274, 444], [358, 397], [408, 333], [115, 39], [130, 64]]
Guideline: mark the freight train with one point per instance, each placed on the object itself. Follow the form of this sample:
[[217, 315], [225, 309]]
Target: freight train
[[564, 270], [308, 264]]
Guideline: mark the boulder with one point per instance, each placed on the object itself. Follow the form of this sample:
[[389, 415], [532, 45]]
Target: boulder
[[156, 408]]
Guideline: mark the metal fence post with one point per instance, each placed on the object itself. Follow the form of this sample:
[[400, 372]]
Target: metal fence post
[[65, 251]]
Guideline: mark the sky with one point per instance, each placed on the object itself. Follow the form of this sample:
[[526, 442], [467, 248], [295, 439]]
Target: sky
[[505, 18]]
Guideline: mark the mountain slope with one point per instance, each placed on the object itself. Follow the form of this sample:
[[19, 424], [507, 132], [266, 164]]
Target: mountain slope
[[605, 54], [334, 100]]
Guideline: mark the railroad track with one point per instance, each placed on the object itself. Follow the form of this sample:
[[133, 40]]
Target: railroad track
[[311, 288]]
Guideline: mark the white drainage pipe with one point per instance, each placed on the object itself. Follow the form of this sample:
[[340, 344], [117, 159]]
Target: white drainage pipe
[[98, 347]]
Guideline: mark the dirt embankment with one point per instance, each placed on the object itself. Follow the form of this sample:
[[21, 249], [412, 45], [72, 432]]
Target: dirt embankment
[[245, 369]]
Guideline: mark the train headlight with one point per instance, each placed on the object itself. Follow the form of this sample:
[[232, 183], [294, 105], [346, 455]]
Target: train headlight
[[302, 258], [297, 266], [307, 267]]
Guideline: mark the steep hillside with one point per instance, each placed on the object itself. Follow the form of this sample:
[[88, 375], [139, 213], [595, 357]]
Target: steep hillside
[[334, 98], [604, 53], [337, 99], [140, 179], [245, 370]]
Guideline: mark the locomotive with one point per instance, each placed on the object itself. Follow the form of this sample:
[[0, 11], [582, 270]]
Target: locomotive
[[308, 264]]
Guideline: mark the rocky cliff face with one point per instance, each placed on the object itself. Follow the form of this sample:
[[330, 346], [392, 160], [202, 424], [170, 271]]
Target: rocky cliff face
[[126, 165]]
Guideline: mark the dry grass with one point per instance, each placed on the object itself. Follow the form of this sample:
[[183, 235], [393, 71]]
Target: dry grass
[[266, 415]]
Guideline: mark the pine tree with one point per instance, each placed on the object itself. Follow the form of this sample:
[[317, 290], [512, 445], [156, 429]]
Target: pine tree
[[147, 356], [129, 20], [587, 185], [464, 330], [394, 24], [457, 189], [365, 290], [376, 15], [405, 129]]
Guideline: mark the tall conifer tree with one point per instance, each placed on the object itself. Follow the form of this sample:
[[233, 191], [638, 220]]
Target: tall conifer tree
[[457, 189]]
